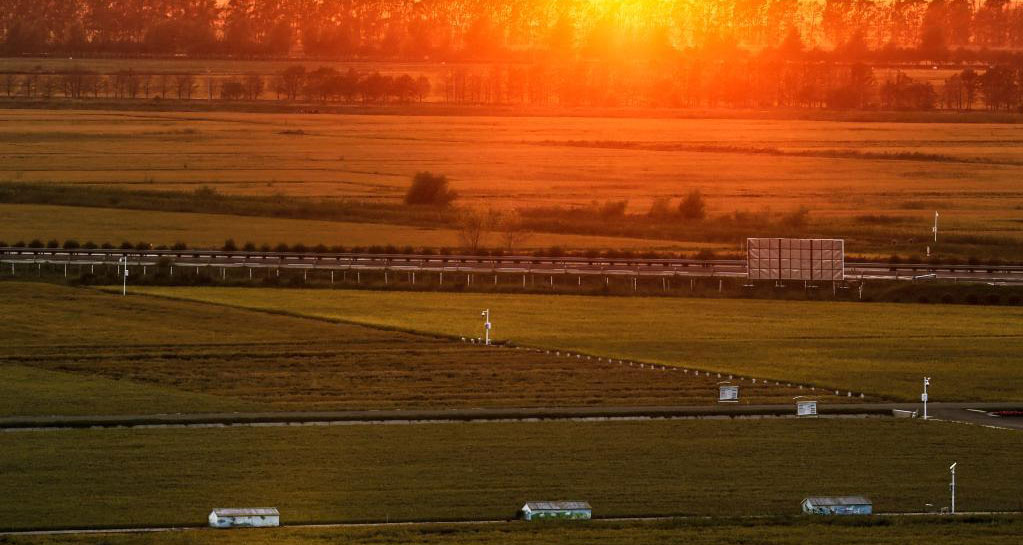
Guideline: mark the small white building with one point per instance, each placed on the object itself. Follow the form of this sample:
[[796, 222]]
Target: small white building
[[254, 517], [539, 510]]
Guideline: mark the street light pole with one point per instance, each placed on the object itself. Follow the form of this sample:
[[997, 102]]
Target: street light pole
[[952, 469], [486, 326], [927, 382]]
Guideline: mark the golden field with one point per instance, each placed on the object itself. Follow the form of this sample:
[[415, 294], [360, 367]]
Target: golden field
[[840, 170]]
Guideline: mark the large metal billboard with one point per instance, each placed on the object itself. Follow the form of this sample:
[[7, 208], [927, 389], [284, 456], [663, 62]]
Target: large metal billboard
[[795, 259]]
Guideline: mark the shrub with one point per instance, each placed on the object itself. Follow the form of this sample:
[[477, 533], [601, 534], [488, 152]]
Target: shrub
[[693, 206], [320, 249], [107, 246], [612, 209], [796, 218], [127, 245], [36, 243], [282, 248], [71, 244], [430, 190], [179, 246], [660, 208], [249, 247], [299, 248], [229, 246], [143, 246], [53, 244]]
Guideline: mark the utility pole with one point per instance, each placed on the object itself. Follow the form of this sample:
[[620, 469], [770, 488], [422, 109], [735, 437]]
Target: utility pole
[[952, 469], [927, 382]]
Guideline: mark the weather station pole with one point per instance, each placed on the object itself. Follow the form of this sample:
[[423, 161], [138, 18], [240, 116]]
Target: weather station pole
[[952, 469], [486, 326], [923, 397]]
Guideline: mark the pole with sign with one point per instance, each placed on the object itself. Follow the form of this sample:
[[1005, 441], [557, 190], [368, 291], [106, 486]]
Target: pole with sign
[[486, 326], [923, 397]]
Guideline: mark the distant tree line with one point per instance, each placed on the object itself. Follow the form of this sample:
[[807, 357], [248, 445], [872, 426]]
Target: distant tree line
[[504, 30], [294, 83], [769, 84], [766, 83]]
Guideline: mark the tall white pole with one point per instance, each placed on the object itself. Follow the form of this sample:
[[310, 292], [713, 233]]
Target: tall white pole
[[927, 382], [952, 468], [124, 287], [486, 326], [935, 226]]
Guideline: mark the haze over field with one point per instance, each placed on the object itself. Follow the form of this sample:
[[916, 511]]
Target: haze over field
[[431, 271]]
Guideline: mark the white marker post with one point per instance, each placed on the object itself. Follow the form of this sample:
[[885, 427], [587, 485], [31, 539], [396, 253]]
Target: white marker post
[[486, 326], [124, 286], [923, 397], [952, 469], [935, 226]]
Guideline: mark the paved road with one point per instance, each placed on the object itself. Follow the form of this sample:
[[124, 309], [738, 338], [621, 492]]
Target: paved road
[[973, 413], [525, 265]]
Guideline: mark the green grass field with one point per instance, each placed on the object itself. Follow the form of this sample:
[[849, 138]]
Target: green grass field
[[486, 471], [79, 352], [877, 348], [881, 531], [841, 170]]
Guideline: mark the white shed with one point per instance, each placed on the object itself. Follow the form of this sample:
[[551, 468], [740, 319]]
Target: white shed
[[254, 517]]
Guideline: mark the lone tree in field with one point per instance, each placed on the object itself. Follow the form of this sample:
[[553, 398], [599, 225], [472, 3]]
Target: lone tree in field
[[431, 190], [474, 226], [693, 206]]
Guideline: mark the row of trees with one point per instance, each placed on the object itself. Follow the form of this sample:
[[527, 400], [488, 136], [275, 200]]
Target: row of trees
[[741, 84], [493, 29], [294, 83], [738, 85]]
